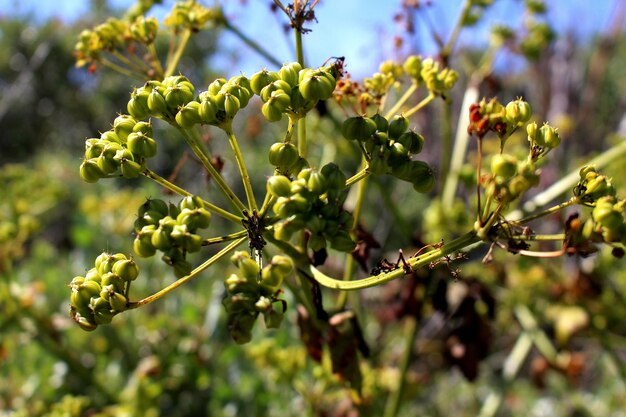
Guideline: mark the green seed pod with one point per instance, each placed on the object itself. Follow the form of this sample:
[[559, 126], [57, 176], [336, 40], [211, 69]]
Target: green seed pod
[[182, 268], [127, 269], [262, 79], [142, 245], [216, 86], [103, 317], [189, 115], [130, 169], [317, 183], [397, 126], [85, 323], [93, 275], [316, 87], [283, 155], [191, 202], [533, 137], [240, 327], [504, 165], [411, 140], [123, 154], [271, 112], [289, 73], [273, 319], [550, 136], [107, 165], [207, 112], [90, 171], [423, 177], [114, 280], [397, 155], [342, 242], [93, 148], [279, 185], [241, 93], [138, 107], [358, 128], [156, 103], [283, 264], [141, 145], [160, 239], [118, 302], [381, 123], [110, 136], [81, 295], [123, 126], [335, 178], [263, 304], [378, 163], [235, 284], [176, 97], [271, 278], [195, 219], [518, 112], [300, 164], [278, 85], [249, 269]]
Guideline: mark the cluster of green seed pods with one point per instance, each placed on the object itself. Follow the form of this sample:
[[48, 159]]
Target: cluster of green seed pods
[[102, 292], [253, 291], [161, 99], [172, 230], [390, 147], [119, 151], [292, 89], [313, 201]]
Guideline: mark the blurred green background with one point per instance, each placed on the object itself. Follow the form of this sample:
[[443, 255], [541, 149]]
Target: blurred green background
[[175, 358]]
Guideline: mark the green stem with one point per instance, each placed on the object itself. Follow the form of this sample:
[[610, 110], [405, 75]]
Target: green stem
[[120, 69], [302, 145], [350, 261], [415, 263], [459, 149], [245, 177], [395, 398], [189, 277], [541, 238], [430, 97], [446, 51], [407, 94], [157, 61], [361, 175], [446, 147], [173, 62], [217, 177], [176, 189], [225, 238], [553, 209], [251, 43], [299, 49], [139, 67]]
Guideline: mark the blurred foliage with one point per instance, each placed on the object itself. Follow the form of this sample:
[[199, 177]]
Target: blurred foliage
[[176, 358]]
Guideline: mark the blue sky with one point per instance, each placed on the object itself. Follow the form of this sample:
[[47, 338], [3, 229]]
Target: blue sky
[[360, 30]]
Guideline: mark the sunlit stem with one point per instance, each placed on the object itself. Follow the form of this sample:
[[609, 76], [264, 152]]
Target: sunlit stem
[[430, 97], [407, 94], [469, 239], [251, 43], [124, 71], [215, 175], [225, 238], [173, 62], [189, 277], [245, 177], [157, 61], [361, 175], [139, 67], [177, 190]]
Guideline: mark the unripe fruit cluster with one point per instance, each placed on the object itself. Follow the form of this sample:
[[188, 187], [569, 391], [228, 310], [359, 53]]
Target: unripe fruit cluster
[[102, 292], [292, 89], [546, 137], [107, 36], [191, 15], [313, 201], [285, 157], [437, 80], [172, 230], [593, 185], [608, 215], [252, 291], [492, 115], [160, 98], [218, 105], [510, 177], [119, 151], [390, 146]]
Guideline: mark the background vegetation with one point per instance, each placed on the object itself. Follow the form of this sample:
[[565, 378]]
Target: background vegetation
[[536, 336]]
